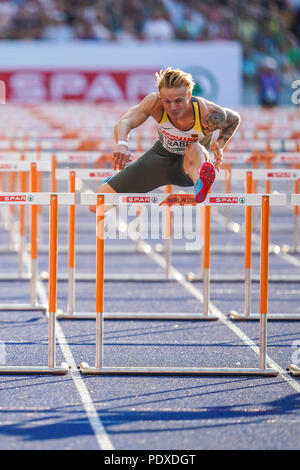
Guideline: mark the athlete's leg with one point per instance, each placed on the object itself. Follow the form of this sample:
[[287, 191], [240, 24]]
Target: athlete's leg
[[194, 155], [150, 171], [104, 188], [197, 165]]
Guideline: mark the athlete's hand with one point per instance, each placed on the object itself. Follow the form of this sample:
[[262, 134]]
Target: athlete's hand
[[218, 154], [121, 156]]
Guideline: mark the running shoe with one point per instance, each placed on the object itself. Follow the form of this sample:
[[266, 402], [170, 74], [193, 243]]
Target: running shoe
[[106, 179], [204, 181]]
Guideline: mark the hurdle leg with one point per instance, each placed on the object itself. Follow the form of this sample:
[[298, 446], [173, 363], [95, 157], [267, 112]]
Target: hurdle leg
[[33, 222], [296, 215], [34, 241], [248, 255], [264, 275], [22, 247], [168, 234], [11, 223], [294, 370], [99, 281], [206, 261], [53, 290], [228, 189], [138, 228], [255, 188], [248, 248], [22, 227], [71, 254]]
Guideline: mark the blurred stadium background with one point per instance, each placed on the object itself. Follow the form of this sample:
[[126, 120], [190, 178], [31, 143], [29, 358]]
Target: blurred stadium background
[[241, 53]]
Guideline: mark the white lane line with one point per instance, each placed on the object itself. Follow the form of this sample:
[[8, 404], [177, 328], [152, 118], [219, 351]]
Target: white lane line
[[290, 259], [101, 436], [3, 352], [215, 311]]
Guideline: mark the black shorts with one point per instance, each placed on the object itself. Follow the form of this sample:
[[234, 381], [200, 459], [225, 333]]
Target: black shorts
[[154, 169]]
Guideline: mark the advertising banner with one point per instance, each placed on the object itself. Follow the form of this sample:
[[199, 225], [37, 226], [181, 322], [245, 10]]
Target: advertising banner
[[97, 72]]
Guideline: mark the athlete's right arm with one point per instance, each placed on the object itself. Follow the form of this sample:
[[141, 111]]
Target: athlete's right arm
[[135, 117]]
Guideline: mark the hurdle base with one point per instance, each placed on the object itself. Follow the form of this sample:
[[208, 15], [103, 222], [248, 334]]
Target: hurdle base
[[192, 277], [35, 370], [114, 277], [294, 370], [271, 316], [22, 307], [86, 369], [137, 316], [217, 249], [8, 277], [88, 249], [290, 249]]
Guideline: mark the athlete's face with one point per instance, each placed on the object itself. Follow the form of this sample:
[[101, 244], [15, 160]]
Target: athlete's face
[[175, 101]]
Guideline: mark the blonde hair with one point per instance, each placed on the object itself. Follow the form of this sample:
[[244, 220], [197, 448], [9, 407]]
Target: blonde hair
[[172, 78]]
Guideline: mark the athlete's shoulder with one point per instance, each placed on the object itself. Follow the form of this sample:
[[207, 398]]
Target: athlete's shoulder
[[150, 101], [207, 106], [152, 105], [211, 107], [213, 116]]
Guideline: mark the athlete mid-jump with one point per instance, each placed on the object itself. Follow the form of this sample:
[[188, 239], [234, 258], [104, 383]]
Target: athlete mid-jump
[[185, 126]]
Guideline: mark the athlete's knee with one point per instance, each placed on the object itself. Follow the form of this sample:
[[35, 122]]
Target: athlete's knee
[[105, 188], [194, 154], [195, 151]]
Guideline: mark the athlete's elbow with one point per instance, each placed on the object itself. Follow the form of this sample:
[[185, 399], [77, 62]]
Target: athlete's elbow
[[238, 118], [235, 120], [123, 125]]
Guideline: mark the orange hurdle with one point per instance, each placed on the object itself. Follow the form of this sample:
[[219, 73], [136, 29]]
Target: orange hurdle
[[99, 278], [22, 218], [296, 213], [168, 233], [248, 247], [33, 233], [71, 254], [100, 369], [206, 260], [36, 200]]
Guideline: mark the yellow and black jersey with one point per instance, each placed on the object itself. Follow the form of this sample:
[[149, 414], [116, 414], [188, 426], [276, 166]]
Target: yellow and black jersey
[[175, 140]]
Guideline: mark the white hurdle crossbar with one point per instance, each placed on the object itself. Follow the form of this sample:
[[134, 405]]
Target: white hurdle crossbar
[[100, 369]]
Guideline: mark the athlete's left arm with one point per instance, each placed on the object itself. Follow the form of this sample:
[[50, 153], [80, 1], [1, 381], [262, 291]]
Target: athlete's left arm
[[215, 117], [228, 127], [224, 119]]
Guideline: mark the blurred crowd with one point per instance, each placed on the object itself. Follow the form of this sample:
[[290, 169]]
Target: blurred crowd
[[266, 28]]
